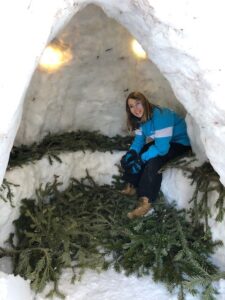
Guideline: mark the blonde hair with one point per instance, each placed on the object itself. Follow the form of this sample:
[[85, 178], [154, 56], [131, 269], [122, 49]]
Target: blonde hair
[[132, 123]]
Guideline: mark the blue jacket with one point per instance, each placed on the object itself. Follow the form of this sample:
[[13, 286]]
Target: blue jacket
[[163, 128]]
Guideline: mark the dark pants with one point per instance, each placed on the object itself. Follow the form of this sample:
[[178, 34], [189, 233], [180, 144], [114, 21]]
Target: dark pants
[[148, 181]]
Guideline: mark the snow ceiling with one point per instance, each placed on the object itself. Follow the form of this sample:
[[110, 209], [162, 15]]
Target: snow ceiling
[[182, 38]]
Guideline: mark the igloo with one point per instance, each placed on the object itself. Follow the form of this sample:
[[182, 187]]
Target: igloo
[[184, 71]]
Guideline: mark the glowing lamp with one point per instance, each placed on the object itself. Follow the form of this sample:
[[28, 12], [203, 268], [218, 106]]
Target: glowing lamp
[[138, 50], [55, 55]]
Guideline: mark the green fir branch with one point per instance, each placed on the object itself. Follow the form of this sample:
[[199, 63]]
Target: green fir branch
[[6, 193], [54, 144], [206, 180]]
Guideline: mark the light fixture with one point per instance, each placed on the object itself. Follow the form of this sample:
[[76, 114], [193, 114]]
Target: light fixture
[[55, 55], [138, 50]]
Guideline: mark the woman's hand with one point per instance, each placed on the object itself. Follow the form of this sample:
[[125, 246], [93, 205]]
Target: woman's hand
[[128, 158], [137, 165], [131, 162]]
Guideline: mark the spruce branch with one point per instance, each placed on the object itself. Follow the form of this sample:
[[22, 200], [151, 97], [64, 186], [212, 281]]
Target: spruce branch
[[6, 187], [54, 144], [206, 180]]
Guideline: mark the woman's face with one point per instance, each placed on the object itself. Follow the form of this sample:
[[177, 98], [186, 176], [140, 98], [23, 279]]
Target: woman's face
[[136, 107]]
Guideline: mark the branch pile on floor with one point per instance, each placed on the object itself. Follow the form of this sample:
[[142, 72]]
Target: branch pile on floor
[[86, 226]]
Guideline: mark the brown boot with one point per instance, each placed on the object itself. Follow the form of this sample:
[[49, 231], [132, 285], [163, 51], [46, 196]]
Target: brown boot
[[129, 190], [144, 206]]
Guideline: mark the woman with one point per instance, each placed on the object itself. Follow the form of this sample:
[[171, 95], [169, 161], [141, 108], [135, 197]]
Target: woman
[[160, 135]]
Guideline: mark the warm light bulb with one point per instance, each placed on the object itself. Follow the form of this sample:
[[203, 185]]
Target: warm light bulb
[[138, 50], [54, 57]]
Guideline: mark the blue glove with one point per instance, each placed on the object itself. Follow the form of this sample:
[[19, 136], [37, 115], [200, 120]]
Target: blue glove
[[136, 166], [128, 159]]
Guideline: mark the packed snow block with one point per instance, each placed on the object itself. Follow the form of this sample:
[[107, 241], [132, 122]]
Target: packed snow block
[[14, 288]]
